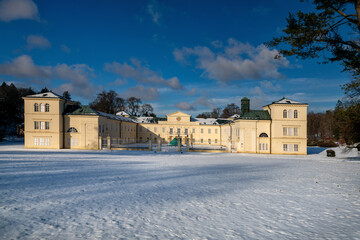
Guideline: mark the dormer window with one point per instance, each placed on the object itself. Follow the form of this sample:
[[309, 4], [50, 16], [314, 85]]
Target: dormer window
[[42, 107], [47, 107], [285, 114], [36, 107], [295, 113]]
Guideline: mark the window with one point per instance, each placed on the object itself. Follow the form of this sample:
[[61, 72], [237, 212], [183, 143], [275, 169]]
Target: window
[[284, 131], [47, 125], [215, 140], [263, 135], [36, 108], [47, 107], [202, 141], [155, 139], [171, 131], [42, 142], [215, 131], [266, 146], [291, 147], [99, 129], [295, 131], [178, 131], [296, 147], [42, 125], [290, 113], [140, 139], [72, 129], [193, 130], [295, 113], [36, 125], [209, 140], [186, 131], [103, 128], [163, 129], [209, 131], [284, 114], [202, 130], [290, 131], [155, 129], [42, 107], [36, 141], [285, 147], [73, 142], [260, 146]]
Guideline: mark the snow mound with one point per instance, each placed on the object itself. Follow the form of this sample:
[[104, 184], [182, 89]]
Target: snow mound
[[343, 152]]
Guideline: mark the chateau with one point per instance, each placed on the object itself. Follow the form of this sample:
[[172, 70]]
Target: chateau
[[55, 123]]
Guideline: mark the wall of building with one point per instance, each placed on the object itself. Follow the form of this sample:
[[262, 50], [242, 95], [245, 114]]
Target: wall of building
[[81, 132], [51, 136], [295, 140]]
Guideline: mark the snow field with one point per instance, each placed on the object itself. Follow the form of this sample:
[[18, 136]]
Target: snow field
[[142, 195]]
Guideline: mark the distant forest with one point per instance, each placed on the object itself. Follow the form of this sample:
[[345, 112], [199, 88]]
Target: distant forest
[[324, 129]]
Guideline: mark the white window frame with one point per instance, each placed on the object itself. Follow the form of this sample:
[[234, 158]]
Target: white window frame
[[290, 114], [284, 131], [290, 131], [285, 147], [42, 125], [36, 141], [291, 147], [296, 147], [42, 107]]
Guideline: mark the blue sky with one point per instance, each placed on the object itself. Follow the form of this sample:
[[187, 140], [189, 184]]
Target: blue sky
[[176, 55]]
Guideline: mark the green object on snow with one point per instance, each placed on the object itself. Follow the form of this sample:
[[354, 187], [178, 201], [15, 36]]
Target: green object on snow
[[174, 142]]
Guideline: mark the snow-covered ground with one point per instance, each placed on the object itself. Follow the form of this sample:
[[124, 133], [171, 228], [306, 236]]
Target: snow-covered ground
[[66, 194]]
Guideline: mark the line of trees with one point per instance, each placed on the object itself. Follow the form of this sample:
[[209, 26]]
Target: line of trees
[[230, 110], [110, 102]]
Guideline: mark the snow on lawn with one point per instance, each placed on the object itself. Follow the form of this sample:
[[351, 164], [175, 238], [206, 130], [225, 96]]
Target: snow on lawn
[[66, 194]]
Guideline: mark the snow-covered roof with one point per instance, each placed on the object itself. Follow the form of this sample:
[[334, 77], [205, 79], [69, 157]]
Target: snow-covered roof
[[235, 116], [45, 95], [285, 100], [122, 113], [207, 121], [144, 119]]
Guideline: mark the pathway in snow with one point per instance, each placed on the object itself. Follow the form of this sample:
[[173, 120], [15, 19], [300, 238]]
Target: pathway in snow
[[137, 195]]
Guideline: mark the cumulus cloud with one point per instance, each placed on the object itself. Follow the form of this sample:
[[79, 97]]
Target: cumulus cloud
[[142, 74], [145, 93], [235, 61], [24, 67], [154, 10], [76, 76], [36, 41], [204, 101], [18, 9], [184, 106]]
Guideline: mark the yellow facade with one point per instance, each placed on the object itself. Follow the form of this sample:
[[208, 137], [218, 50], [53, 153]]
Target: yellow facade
[[280, 128]]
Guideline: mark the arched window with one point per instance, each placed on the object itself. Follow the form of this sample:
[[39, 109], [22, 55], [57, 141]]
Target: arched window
[[263, 135], [47, 107], [42, 107], [295, 113], [72, 129], [290, 113], [284, 113], [36, 107]]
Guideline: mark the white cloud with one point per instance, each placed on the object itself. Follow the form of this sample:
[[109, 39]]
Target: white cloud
[[36, 41], [76, 76], [18, 9], [184, 106], [141, 74], [154, 11], [270, 86], [24, 67], [204, 101], [192, 92], [65, 48], [236, 61], [256, 91], [142, 92]]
